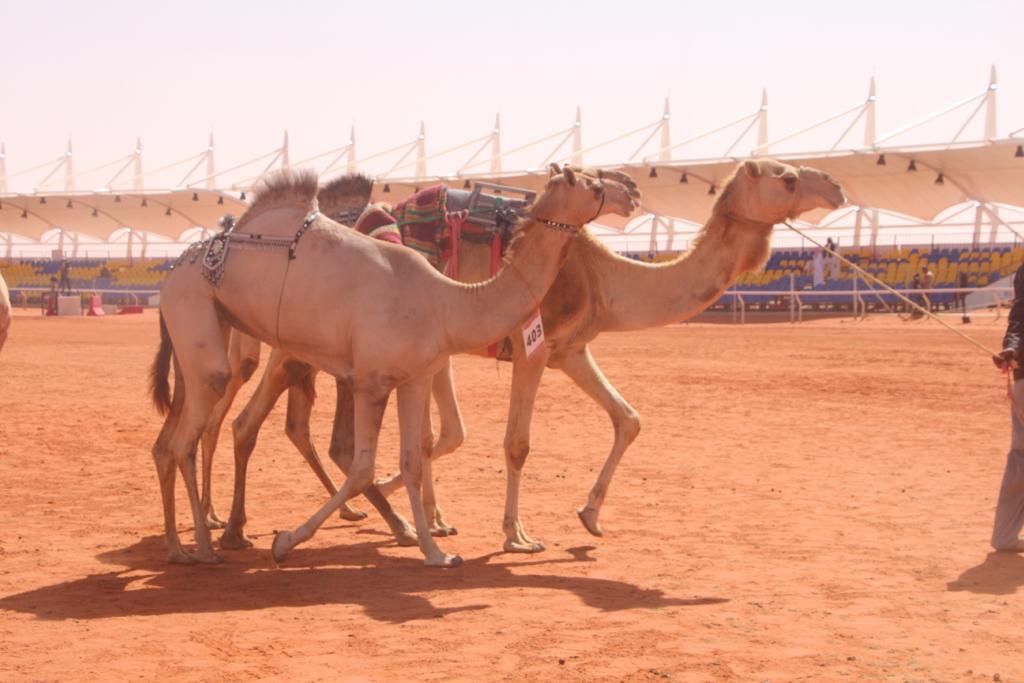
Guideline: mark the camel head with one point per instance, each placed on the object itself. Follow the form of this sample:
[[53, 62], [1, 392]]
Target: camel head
[[577, 198], [770, 191]]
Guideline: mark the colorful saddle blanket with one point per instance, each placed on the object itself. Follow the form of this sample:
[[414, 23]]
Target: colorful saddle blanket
[[423, 223], [432, 225], [376, 222], [426, 225], [434, 221]]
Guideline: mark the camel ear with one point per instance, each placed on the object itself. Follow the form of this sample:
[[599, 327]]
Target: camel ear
[[752, 168], [554, 170], [570, 176]]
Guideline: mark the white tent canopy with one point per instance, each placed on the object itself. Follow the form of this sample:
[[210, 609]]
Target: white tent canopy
[[984, 172], [99, 214], [919, 182]]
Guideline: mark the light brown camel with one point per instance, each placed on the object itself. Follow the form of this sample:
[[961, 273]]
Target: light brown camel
[[599, 291], [354, 307], [5, 312], [475, 261]]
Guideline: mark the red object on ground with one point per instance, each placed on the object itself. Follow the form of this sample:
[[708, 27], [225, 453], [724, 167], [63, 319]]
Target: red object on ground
[[130, 309], [96, 306], [49, 304]]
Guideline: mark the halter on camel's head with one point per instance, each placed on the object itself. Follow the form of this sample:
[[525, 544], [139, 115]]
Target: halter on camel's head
[[605, 195], [767, 192], [761, 193]]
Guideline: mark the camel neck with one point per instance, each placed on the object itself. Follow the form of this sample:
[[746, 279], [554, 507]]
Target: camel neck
[[483, 313], [648, 295]]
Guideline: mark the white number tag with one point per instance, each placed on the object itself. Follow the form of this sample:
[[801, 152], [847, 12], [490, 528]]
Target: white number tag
[[533, 334]]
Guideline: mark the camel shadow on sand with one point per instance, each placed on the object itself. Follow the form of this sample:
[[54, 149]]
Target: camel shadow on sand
[[389, 589], [998, 574]]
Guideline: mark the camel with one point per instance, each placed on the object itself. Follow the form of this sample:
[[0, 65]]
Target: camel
[[5, 312], [357, 308], [599, 291], [341, 199]]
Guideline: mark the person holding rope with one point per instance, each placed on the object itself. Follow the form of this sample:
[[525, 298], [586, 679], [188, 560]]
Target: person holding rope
[[1010, 507]]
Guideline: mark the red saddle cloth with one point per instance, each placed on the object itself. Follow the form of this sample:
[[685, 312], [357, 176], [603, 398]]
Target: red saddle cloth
[[423, 223], [379, 224], [426, 226]]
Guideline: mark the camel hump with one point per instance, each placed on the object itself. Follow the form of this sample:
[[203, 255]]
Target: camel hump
[[285, 187], [348, 194]]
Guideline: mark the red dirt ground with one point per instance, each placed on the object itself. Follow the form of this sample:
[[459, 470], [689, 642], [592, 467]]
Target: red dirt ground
[[804, 502]]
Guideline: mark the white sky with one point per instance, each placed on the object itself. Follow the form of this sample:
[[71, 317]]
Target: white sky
[[171, 72]]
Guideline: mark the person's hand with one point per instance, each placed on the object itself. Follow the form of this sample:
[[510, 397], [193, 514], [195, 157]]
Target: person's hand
[[1005, 359]]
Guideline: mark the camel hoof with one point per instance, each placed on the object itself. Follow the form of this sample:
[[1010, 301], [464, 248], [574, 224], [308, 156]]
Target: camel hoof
[[179, 556], [407, 538], [350, 514], [212, 558], [589, 519], [517, 547], [445, 561], [215, 522], [444, 531], [234, 540], [281, 545]]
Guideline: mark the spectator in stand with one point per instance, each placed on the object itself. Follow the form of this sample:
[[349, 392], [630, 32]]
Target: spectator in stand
[[961, 297], [65, 277], [927, 282], [915, 284], [1010, 507], [831, 261]]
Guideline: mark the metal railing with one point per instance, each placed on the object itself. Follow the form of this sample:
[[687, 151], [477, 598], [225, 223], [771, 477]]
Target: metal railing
[[860, 298]]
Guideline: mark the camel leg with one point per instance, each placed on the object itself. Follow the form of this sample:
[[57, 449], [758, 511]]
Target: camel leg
[[278, 376], [341, 452], [198, 343], [526, 375], [243, 359], [413, 397], [582, 369], [453, 429], [453, 433], [300, 407], [367, 416], [438, 527], [165, 471]]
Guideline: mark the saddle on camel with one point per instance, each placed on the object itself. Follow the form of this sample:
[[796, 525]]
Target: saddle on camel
[[435, 221]]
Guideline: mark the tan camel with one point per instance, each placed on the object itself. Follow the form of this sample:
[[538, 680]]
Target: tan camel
[[354, 307], [475, 266], [5, 312], [599, 291]]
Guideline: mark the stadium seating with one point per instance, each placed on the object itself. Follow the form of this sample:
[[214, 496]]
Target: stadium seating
[[894, 266]]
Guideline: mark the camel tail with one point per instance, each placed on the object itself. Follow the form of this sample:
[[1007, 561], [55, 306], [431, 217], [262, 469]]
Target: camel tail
[[159, 374]]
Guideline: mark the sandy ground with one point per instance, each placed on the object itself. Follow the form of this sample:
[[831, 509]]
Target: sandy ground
[[804, 502]]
